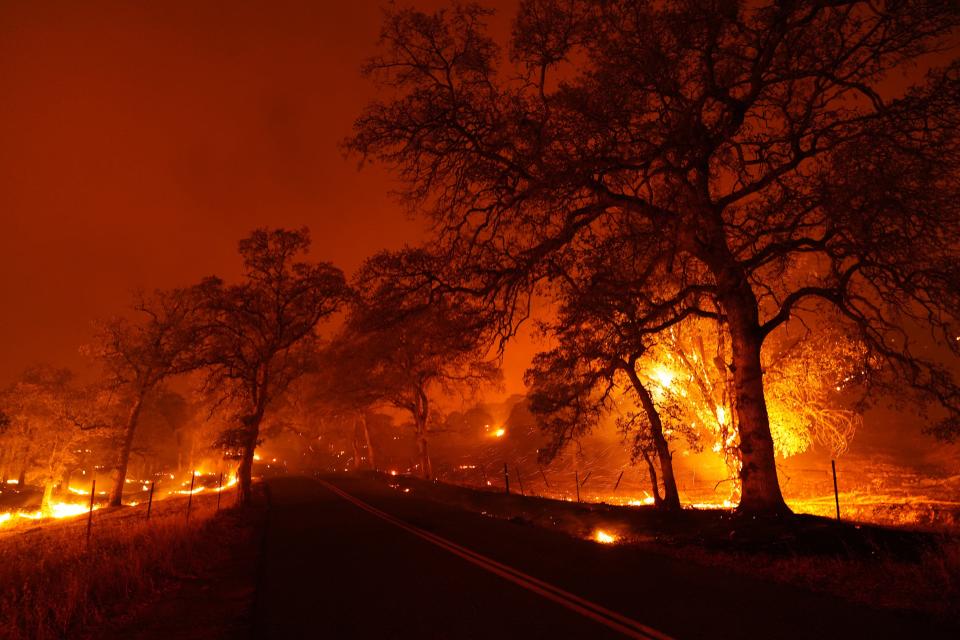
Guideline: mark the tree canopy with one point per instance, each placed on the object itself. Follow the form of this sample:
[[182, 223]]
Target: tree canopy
[[755, 153], [260, 333]]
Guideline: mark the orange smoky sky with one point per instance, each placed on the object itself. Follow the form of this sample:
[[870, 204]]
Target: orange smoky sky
[[141, 140]]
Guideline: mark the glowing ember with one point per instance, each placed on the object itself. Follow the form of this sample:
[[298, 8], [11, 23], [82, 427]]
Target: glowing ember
[[603, 537]]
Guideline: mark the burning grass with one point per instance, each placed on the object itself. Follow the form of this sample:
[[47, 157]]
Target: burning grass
[[55, 586]]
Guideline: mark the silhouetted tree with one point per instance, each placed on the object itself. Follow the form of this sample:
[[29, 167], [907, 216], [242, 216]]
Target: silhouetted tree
[[598, 359], [339, 394], [404, 344], [166, 431], [758, 148], [139, 355], [261, 332]]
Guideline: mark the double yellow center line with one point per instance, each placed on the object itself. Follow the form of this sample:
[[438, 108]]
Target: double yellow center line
[[611, 619]]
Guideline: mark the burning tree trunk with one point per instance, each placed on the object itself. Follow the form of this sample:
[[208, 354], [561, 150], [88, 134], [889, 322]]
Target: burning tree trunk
[[46, 503], [52, 472], [123, 458]]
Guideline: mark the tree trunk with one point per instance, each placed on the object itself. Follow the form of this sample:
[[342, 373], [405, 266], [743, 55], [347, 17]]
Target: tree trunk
[[760, 487], [245, 469], [179, 453], [426, 469], [371, 460], [657, 498], [22, 477], [45, 503], [355, 441], [420, 415], [671, 496], [120, 473]]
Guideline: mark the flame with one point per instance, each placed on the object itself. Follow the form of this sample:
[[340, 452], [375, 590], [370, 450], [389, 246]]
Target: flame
[[231, 480], [604, 537], [663, 376], [55, 510], [499, 433]]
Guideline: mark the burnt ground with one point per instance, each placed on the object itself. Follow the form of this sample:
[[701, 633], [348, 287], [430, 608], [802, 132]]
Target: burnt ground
[[329, 569]]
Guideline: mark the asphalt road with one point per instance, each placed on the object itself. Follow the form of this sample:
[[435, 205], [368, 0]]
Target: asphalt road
[[361, 560]]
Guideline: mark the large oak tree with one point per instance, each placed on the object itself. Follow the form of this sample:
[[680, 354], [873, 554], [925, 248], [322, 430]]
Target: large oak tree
[[138, 355], [402, 344], [761, 148], [261, 332]]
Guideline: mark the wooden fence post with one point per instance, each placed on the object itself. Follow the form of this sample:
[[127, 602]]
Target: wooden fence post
[[544, 477], [519, 479], [193, 477], [836, 493], [93, 494]]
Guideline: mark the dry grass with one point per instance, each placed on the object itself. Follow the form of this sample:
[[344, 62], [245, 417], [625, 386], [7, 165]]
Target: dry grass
[[928, 585], [53, 586]]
